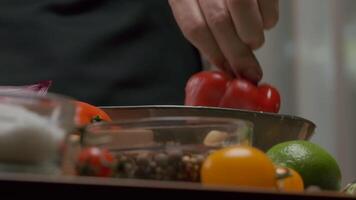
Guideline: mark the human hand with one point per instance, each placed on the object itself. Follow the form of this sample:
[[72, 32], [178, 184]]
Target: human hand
[[227, 31]]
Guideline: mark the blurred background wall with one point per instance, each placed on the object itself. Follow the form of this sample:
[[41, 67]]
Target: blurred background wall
[[311, 57]]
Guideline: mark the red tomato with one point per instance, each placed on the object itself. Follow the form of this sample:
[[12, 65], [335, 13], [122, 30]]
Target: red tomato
[[94, 161], [206, 88], [216, 89], [241, 94], [270, 100]]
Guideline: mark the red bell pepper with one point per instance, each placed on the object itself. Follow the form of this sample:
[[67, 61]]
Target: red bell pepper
[[216, 89]]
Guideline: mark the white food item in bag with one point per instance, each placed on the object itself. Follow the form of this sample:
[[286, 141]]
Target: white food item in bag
[[27, 137]]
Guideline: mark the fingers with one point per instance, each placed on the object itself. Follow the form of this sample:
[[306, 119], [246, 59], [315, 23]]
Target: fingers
[[240, 57], [270, 12], [248, 21], [226, 31], [191, 21]]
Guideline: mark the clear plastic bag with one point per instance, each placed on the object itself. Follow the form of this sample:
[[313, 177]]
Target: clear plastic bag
[[41, 88]]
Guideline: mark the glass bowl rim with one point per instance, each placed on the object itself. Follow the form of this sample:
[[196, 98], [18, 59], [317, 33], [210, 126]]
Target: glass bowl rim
[[149, 120]]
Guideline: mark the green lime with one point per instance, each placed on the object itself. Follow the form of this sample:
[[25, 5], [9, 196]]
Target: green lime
[[316, 166]]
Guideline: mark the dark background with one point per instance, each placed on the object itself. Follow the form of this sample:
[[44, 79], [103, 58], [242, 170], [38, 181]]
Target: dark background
[[105, 52]]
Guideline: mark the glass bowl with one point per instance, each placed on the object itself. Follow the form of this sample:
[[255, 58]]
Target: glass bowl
[[33, 130], [165, 148], [269, 128]]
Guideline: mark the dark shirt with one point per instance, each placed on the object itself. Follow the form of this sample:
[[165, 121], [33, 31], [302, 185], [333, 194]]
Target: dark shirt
[[105, 52]]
